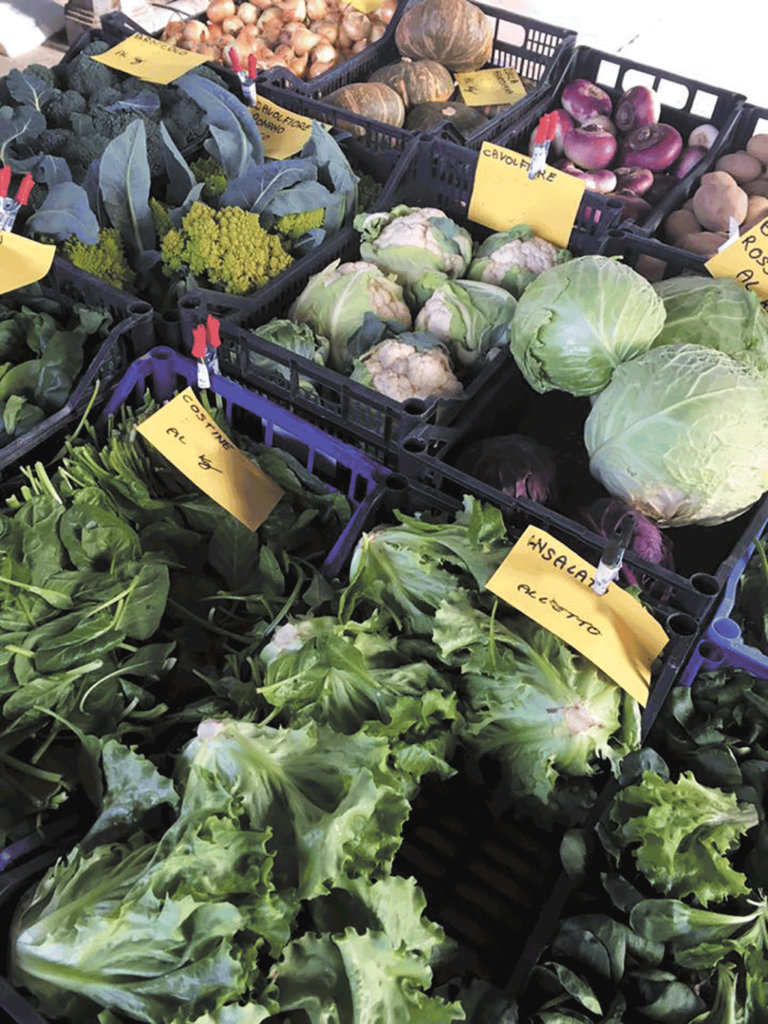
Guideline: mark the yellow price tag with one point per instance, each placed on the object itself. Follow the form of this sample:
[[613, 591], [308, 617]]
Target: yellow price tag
[[150, 59], [746, 261], [551, 584], [22, 261], [493, 85], [185, 434], [366, 6], [282, 133], [503, 195]]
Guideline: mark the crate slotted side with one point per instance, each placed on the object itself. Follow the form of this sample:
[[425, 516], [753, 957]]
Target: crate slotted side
[[685, 104], [538, 52]]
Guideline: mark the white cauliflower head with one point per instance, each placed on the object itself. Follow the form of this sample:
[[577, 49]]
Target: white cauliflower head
[[410, 241], [402, 370], [512, 259]]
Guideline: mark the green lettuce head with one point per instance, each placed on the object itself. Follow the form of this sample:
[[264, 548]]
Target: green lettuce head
[[577, 321], [470, 317], [410, 241], [681, 434], [716, 312], [514, 258], [335, 301]]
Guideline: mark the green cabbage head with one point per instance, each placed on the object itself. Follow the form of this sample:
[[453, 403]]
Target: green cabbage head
[[576, 322], [681, 433]]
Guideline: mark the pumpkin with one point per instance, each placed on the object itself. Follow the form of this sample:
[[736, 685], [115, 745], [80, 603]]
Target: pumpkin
[[454, 32], [465, 120], [417, 81], [373, 100]]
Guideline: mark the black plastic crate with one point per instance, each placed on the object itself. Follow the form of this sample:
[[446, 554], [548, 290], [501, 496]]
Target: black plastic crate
[[538, 52], [432, 173], [704, 556], [132, 330], [685, 104]]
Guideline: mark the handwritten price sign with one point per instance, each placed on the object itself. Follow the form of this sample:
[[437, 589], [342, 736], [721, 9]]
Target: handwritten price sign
[[150, 59], [746, 261]]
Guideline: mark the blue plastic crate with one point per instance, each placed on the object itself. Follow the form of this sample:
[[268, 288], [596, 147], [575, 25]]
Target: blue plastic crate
[[338, 465]]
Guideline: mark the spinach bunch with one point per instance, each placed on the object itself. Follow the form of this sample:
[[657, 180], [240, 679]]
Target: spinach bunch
[[42, 353]]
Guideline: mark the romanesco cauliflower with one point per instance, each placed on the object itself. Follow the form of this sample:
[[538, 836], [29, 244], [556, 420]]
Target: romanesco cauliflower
[[105, 259], [294, 225], [209, 171], [228, 247]]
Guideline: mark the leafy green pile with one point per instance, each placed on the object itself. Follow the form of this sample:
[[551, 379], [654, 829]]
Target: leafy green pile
[[115, 571], [202, 923], [43, 349]]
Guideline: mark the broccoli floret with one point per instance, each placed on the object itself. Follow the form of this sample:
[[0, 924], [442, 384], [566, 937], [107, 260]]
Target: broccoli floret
[[110, 96], [51, 141], [106, 259], [111, 123], [80, 151], [229, 247], [42, 72], [185, 122], [210, 171], [58, 113], [161, 218], [294, 225], [87, 76], [206, 72]]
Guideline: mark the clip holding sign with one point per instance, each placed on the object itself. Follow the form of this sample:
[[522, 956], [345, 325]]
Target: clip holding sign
[[205, 349], [612, 558], [247, 76], [545, 133]]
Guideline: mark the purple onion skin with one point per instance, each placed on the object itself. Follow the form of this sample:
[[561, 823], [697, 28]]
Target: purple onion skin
[[655, 146], [638, 106], [606, 515], [662, 183], [635, 207], [589, 147], [687, 160], [633, 179], [514, 464], [583, 100]]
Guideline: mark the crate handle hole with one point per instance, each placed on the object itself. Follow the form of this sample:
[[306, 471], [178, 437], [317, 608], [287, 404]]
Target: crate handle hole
[[682, 625], [396, 482], [726, 630], [414, 406], [705, 584], [415, 445]]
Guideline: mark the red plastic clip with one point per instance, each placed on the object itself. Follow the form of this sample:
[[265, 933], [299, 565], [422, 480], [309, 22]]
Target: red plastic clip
[[545, 133], [252, 67], [212, 331], [5, 181], [26, 186], [234, 60], [198, 346]]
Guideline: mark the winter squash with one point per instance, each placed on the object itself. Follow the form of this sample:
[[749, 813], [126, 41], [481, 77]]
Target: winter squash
[[454, 32], [373, 100], [417, 81], [465, 120]]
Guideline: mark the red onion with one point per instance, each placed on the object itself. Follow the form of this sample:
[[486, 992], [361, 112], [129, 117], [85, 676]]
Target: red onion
[[633, 179], [583, 99], [638, 106], [687, 160], [655, 146], [591, 148]]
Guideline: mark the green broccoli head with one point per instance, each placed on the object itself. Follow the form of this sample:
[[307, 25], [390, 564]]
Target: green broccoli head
[[87, 76], [185, 122], [80, 150], [105, 259], [111, 123], [294, 225], [51, 141], [58, 113], [228, 247], [45, 74]]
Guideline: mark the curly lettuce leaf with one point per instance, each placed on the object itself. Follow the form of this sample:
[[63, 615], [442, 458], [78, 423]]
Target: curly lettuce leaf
[[685, 832]]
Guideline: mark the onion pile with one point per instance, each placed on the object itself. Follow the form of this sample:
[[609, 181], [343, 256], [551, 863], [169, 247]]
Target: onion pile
[[308, 37]]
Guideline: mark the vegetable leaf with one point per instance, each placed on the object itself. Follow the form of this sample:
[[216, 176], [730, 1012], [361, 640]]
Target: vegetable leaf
[[18, 126], [236, 141], [124, 183], [28, 90], [254, 190], [64, 212], [181, 180]]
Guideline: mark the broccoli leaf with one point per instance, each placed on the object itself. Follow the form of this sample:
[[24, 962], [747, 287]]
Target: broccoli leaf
[[254, 190], [311, 196], [18, 126], [236, 141], [51, 170], [124, 182], [335, 172], [65, 212], [28, 90], [146, 101], [180, 178]]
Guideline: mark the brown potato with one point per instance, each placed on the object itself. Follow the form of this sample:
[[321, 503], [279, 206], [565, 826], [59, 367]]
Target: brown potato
[[651, 268], [740, 165], [714, 206], [703, 243], [717, 178], [758, 147], [679, 223], [757, 210]]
